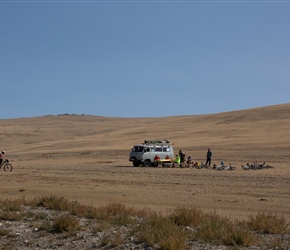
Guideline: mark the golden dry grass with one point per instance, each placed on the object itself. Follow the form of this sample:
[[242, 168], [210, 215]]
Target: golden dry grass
[[85, 158]]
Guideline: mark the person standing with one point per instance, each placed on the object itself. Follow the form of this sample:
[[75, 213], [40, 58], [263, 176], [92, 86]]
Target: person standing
[[208, 157], [182, 158]]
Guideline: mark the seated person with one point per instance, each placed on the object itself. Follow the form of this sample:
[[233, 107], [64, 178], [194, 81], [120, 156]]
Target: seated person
[[189, 160], [177, 159], [156, 158]]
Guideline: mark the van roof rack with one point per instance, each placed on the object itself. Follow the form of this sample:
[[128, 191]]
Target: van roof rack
[[156, 142]]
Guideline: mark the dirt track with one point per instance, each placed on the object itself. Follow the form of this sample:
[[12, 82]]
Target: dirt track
[[86, 159]]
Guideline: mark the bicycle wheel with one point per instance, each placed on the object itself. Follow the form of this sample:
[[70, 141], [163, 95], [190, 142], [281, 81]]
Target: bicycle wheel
[[7, 167]]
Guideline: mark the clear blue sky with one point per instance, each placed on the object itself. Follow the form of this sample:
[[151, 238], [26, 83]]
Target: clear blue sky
[[142, 58]]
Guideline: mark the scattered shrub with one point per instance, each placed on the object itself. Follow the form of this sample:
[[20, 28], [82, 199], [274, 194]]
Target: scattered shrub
[[173, 240], [40, 216], [53, 202], [222, 231], [117, 240], [268, 223], [46, 225], [66, 223], [187, 217], [82, 211], [10, 216], [11, 205], [101, 226], [170, 232], [156, 229], [115, 213]]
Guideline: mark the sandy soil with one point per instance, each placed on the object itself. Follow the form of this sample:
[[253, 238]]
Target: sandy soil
[[85, 158]]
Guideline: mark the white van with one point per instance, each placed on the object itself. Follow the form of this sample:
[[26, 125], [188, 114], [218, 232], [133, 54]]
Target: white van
[[144, 153]]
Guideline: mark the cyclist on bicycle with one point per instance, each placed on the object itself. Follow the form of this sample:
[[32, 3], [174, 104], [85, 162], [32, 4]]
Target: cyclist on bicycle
[[2, 157]]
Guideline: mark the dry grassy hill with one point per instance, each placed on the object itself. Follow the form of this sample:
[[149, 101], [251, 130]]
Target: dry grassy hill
[[86, 158]]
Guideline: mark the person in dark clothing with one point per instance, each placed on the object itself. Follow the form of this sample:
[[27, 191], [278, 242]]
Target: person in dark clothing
[[208, 157], [182, 158], [2, 157]]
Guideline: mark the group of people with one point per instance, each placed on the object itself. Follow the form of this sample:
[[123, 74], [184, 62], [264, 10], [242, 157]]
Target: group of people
[[181, 160]]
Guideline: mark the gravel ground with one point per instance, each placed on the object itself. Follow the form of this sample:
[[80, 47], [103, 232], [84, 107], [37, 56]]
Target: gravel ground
[[34, 232]]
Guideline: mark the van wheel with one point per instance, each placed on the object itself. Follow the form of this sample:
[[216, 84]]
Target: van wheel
[[147, 163]]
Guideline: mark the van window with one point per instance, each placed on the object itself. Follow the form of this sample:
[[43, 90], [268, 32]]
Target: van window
[[137, 149], [166, 149], [158, 149]]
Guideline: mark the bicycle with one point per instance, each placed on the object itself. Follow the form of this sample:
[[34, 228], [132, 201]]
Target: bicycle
[[6, 165], [200, 165], [256, 166], [223, 167]]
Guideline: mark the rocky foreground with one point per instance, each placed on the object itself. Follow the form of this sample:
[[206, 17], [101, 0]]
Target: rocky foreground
[[36, 232]]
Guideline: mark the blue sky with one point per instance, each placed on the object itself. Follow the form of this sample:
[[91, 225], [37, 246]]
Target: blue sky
[[142, 58]]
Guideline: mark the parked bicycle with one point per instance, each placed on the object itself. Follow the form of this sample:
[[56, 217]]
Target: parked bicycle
[[200, 165], [6, 165], [256, 166], [224, 167]]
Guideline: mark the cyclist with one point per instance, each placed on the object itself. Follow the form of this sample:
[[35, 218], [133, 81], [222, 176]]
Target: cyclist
[[2, 157]]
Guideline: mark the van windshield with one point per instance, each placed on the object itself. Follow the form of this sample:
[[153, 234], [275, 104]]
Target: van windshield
[[137, 149]]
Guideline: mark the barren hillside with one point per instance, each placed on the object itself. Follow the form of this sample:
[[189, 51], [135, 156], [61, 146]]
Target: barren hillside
[[86, 158]]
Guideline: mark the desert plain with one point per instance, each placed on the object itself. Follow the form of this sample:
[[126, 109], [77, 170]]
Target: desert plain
[[85, 158]]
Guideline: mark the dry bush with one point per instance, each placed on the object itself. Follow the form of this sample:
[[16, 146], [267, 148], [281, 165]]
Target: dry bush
[[115, 213], [187, 216], [156, 229], [13, 205], [222, 231], [82, 210], [46, 225], [11, 215], [113, 209], [268, 223], [66, 223], [174, 240], [53, 202], [62, 204], [118, 239], [101, 226], [40, 216]]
